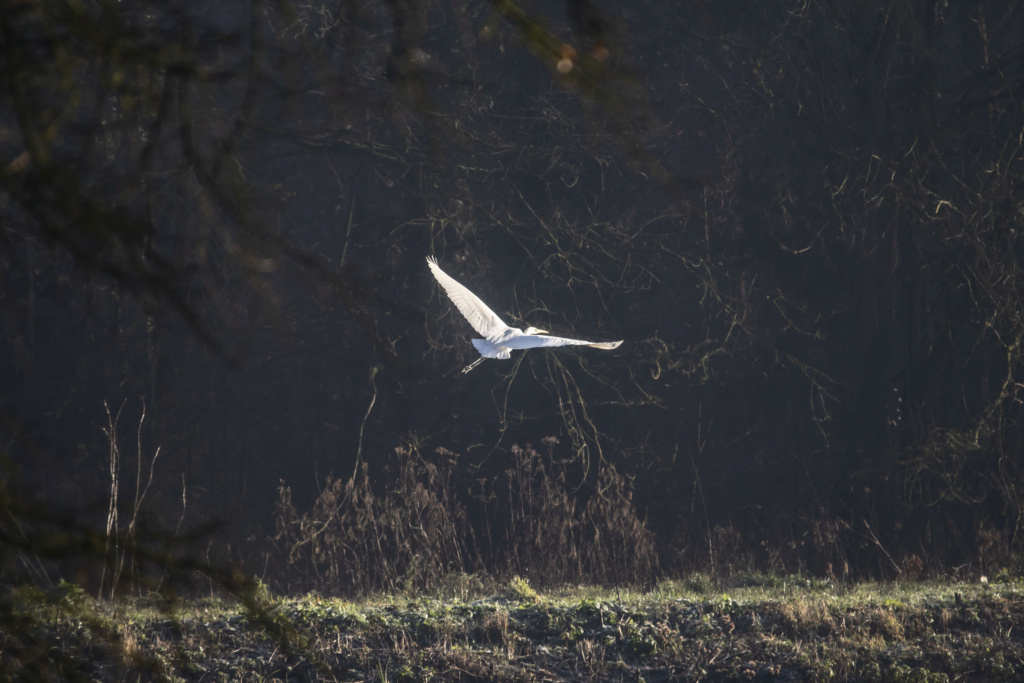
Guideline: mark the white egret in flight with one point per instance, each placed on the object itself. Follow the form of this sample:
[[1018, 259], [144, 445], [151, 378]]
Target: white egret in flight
[[499, 340]]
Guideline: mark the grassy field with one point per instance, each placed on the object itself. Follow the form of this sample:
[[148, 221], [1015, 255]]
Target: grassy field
[[752, 628]]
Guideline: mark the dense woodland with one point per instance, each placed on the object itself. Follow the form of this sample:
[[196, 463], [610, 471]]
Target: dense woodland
[[803, 217]]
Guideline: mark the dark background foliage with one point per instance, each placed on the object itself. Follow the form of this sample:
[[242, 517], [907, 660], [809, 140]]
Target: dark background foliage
[[803, 218]]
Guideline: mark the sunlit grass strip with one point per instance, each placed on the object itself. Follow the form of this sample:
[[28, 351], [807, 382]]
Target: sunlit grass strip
[[753, 626]]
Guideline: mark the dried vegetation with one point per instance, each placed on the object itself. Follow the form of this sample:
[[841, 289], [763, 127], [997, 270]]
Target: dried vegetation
[[412, 532], [755, 627]]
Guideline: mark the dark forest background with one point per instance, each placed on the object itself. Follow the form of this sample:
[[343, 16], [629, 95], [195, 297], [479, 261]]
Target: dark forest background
[[803, 217]]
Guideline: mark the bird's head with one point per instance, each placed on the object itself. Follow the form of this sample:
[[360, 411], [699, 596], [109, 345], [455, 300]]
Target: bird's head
[[534, 330]]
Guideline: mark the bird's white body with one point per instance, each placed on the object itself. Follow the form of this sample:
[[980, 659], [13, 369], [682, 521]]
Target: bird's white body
[[499, 340]]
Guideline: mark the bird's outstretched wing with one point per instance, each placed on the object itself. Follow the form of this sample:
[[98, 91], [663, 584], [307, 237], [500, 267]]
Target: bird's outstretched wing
[[484, 320], [536, 341]]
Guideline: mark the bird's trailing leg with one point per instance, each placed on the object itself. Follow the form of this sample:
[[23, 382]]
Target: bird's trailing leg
[[472, 365]]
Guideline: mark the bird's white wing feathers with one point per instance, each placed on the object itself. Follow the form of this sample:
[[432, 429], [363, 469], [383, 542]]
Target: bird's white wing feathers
[[484, 320], [606, 346], [499, 336], [535, 341]]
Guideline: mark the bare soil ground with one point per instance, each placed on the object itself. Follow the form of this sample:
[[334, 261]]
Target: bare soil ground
[[750, 629]]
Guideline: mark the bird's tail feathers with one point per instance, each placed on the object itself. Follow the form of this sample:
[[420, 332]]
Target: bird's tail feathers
[[489, 350]]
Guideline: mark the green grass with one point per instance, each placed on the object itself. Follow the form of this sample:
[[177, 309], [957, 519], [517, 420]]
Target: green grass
[[751, 628]]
